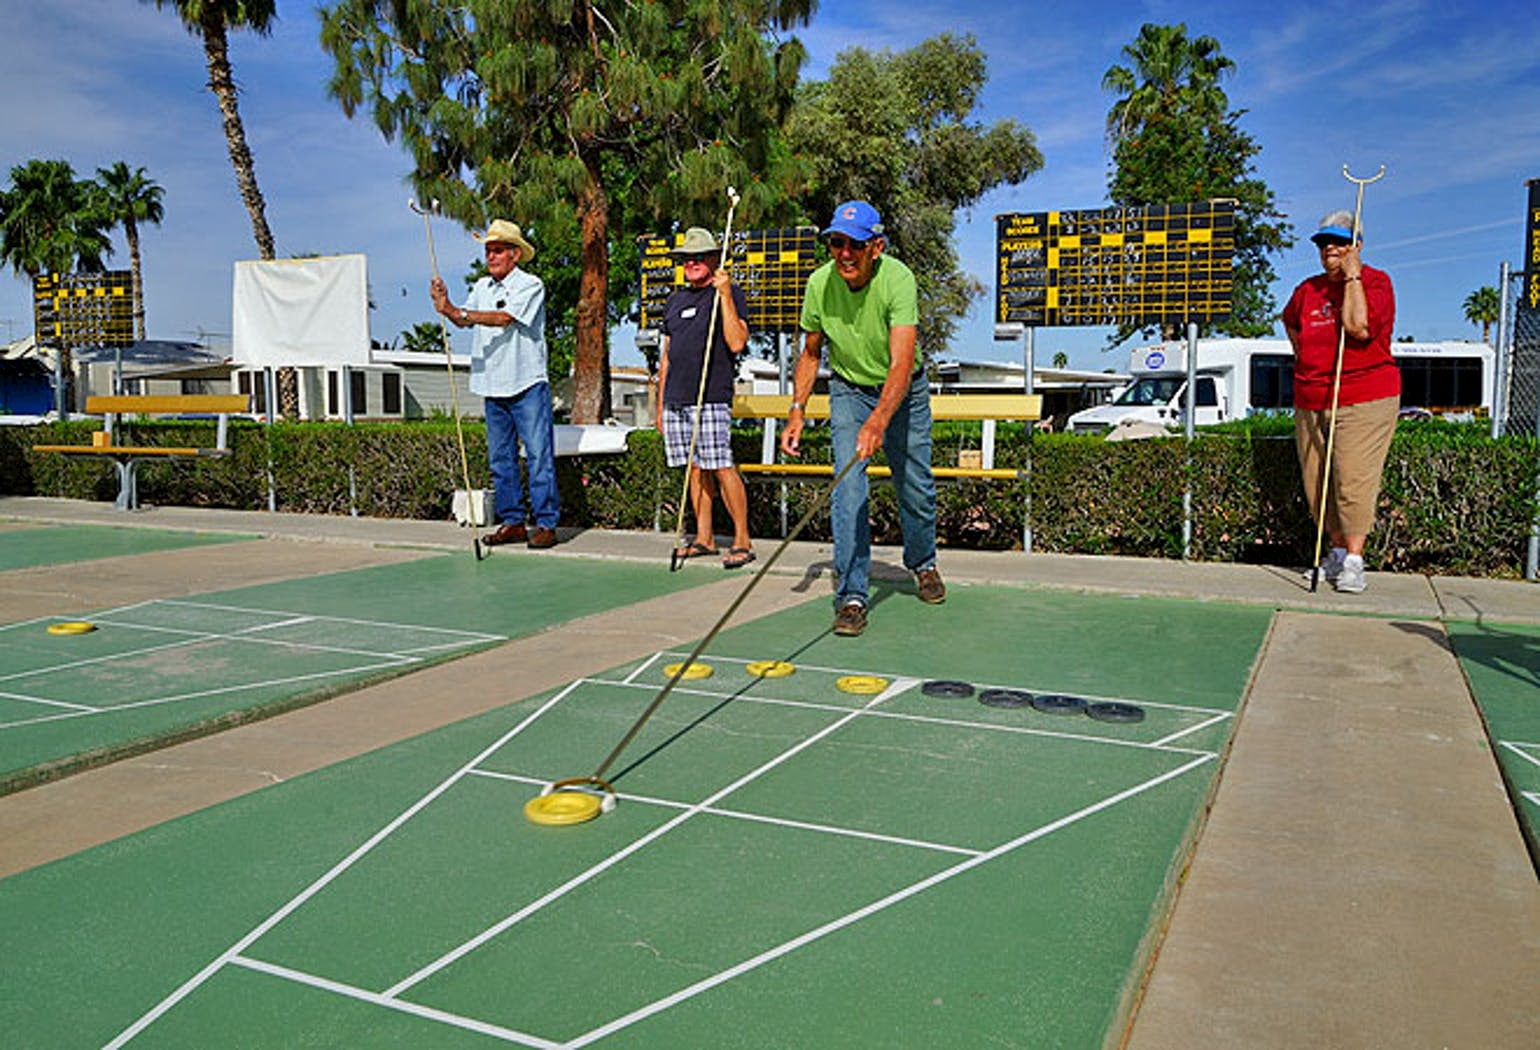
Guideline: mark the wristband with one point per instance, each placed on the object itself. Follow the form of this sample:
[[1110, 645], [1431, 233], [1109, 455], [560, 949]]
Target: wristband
[[1351, 279], [795, 406]]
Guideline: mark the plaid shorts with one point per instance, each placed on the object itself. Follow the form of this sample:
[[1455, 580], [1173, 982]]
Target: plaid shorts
[[713, 445]]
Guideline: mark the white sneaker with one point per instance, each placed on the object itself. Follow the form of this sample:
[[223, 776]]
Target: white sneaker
[[1350, 578]]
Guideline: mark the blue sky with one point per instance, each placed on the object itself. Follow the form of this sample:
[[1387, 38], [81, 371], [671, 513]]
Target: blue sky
[[1446, 96]]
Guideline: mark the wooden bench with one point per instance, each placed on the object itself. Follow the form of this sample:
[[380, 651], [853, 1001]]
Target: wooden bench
[[127, 456], [986, 408]]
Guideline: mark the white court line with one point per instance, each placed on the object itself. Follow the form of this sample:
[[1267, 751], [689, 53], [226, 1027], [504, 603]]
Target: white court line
[[244, 635], [1532, 796], [669, 1001], [1518, 746], [902, 716], [25, 699], [759, 818], [1163, 741], [196, 980], [87, 662], [630, 679], [980, 686], [573, 883], [156, 701], [427, 1013], [335, 619]]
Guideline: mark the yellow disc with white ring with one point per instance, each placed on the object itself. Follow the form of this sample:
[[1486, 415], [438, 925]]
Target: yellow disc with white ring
[[771, 668], [695, 670], [71, 627], [861, 684], [562, 808]]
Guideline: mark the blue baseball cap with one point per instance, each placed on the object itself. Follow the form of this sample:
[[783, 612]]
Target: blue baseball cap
[[1333, 228], [857, 220]]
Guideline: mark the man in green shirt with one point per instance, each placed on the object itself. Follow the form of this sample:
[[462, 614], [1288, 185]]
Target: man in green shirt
[[862, 307]]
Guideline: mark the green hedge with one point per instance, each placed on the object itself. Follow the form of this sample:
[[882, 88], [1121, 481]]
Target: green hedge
[[1454, 501]]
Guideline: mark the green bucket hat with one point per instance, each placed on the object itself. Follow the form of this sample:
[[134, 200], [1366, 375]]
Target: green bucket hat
[[697, 241]]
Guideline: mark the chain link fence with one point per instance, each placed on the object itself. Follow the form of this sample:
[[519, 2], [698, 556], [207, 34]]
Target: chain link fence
[[1516, 407]]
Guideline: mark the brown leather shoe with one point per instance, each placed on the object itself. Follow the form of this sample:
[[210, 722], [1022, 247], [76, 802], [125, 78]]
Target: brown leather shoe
[[506, 533], [928, 582], [540, 538], [850, 619]]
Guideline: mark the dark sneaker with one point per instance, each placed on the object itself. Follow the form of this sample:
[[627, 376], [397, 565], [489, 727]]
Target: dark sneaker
[[506, 534], [932, 590], [541, 538], [850, 619]]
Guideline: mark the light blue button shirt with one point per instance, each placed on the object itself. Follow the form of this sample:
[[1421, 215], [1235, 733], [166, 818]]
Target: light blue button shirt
[[509, 360]]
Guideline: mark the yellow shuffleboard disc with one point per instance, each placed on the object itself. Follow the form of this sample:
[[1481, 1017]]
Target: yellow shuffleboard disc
[[861, 684], [695, 670], [563, 807], [771, 668], [71, 627]]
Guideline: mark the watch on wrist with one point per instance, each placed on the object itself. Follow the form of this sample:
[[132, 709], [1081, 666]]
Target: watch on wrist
[[795, 406], [465, 316]]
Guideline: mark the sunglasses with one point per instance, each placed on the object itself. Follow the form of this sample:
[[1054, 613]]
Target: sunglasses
[[1332, 242], [839, 243]]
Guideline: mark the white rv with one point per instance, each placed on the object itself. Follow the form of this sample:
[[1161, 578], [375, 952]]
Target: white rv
[[1237, 378]]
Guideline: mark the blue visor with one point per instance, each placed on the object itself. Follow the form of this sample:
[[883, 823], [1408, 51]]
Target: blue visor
[[1338, 233]]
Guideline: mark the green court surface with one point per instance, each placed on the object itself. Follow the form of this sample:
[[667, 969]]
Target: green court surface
[[1502, 665], [157, 671], [25, 547], [790, 865]]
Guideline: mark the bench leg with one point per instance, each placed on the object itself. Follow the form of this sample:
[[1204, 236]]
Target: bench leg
[[128, 485]]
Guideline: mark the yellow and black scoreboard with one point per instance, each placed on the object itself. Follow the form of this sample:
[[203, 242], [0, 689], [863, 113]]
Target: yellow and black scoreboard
[[771, 266], [84, 309], [1530, 298], [1114, 265]]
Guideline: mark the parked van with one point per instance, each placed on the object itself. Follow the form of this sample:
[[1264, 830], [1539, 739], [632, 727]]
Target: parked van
[[1237, 378]]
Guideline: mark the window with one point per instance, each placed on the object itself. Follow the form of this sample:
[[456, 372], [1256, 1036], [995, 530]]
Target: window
[[1272, 381], [390, 383], [1440, 382], [251, 384], [358, 388], [332, 408], [1208, 394]]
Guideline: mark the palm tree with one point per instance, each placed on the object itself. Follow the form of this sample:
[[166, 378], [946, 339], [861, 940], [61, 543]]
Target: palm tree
[[211, 20], [50, 222], [1484, 306], [131, 199], [1168, 75], [1060, 359]]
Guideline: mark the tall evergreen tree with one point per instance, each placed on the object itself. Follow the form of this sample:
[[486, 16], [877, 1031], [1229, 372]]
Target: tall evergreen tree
[[211, 21], [1484, 306], [52, 222], [898, 130], [1175, 140], [131, 198], [559, 115]]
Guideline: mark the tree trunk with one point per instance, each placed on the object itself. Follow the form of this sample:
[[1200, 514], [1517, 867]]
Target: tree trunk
[[222, 83], [131, 234], [590, 390]]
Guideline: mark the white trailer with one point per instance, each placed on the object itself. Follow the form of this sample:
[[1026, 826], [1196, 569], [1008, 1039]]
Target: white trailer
[[1237, 378]]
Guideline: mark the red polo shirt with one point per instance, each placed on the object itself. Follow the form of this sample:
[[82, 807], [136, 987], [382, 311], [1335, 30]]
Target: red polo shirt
[[1369, 372]]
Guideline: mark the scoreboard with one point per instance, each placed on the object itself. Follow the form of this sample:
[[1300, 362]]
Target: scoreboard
[[1170, 263], [771, 266], [84, 309]]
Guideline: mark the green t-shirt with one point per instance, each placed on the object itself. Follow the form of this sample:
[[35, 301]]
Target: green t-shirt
[[855, 324]]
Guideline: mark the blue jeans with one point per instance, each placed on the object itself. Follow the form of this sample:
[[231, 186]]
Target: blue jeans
[[907, 446], [526, 416]]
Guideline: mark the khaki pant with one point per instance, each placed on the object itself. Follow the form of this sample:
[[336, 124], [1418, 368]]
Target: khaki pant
[[1358, 458]]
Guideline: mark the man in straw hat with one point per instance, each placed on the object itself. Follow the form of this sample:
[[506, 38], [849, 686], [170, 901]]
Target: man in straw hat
[[508, 371], [1350, 306], [687, 318], [862, 305]]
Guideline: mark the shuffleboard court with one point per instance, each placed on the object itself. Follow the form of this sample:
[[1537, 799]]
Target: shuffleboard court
[[1502, 665], [157, 671], [27, 547], [790, 864]]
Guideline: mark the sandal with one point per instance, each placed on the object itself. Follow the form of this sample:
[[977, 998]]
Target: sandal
[[694, 550], [737, 558]]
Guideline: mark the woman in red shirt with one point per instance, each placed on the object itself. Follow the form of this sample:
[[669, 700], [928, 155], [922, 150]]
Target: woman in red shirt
[[1353, 305]]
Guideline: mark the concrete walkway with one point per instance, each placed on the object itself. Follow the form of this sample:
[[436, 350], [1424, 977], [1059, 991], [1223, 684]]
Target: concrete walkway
[[1361, 881]]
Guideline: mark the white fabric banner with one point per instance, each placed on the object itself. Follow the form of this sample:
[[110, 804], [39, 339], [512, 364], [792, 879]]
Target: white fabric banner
[[301, 312]]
